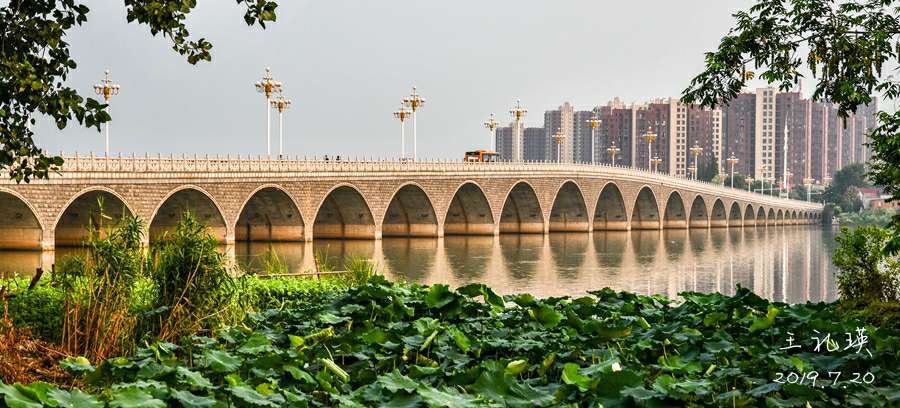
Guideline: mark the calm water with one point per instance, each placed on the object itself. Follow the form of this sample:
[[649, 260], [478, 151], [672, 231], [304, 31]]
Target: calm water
[[791, 264]]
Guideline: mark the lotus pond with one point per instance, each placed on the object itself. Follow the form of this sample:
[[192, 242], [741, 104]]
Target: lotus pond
[[402, 345]]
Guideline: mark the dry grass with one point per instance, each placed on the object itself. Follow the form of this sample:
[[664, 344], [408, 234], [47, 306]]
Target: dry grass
[[25, 359]]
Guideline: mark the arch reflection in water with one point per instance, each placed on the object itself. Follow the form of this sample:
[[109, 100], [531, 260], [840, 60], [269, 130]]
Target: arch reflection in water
[[790, 264]]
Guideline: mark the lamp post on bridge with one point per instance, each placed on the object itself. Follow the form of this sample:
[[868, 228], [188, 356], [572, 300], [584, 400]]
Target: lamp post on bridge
[[749, 181], [281, 104], [649, 137], [613, 151], [693, 170], [402, 114], [656, 161], [491, 124], [732, 160], [268, 86], [107, 88], [558, 137], [414, 102], [695, 151], [517, 112], [807, 182], [595, 122]]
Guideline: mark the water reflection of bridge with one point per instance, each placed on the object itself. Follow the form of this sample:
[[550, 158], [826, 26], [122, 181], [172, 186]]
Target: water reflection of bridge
[[785, 264], [296, 200]]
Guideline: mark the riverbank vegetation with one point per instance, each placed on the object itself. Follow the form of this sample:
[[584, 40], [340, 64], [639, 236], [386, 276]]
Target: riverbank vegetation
[[363, 341]]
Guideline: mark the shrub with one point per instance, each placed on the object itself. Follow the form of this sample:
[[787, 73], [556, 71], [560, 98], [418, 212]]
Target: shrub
[[258, 294], [192, 281], [40, 310], [867, 274], [98, 291]]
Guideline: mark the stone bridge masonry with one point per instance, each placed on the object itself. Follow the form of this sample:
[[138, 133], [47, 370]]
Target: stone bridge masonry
[[301, 200]]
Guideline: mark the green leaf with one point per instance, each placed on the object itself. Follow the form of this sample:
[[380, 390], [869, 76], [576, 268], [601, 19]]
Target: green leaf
[[571, 376], [299, 374], [135, 398], [516, 367], [395, 381], [438, 296], [73, 399], [77, 365], [15, 398], [221, 361], [546, 316], [190, 400], [766, 322], [335, 369], [445, 397], [194, 379], [251, 396], [462, 341]]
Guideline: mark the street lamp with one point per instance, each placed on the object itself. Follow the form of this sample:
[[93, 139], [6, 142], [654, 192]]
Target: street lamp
[[807, 181], [517, 112], [649, 137], [595, 122], [402, 114], [693, 169], [762, 178], [695, 151], [491, 125], [613, 151], [268, 86], [731, 162], [281, 104], [656, 161], [749, 181], [558, 137], [107, 88], [787, 183], [414, 102]]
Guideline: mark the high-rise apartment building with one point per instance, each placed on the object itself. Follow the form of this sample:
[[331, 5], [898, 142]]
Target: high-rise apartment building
[[739, 135], [560, 120], [764, 149], [583, 142], [704, 130], [617, 131], [535, 145]]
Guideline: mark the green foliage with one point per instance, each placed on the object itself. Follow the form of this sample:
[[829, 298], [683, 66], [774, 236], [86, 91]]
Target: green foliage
[[846, 45], [843, 188], [873, 216], [384, 344], [35, 61], [259, 294], [867, 273], [98, 290], [40, 309], [707, 170], [192, 281]]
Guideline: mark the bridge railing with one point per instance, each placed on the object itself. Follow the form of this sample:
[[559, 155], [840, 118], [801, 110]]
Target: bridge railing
[[78, 166]]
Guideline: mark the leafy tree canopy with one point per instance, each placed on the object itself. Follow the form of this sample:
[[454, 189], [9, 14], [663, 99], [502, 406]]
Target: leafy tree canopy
[[849, 46], [35, 61], [843, 189]]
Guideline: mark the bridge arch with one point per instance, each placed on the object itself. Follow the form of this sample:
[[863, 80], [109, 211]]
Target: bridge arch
[[192, 199], [521, 212], [410, 214], [699, 214], [344, 213], [761, 216], [794, 217], [610, 213], [780, 217], [734, 215], [675, 215], [469, 212], [269, 214], [569, 212], [20, 227], [771, 219], [718, 217], [84, 210], [645, 211], [749, 216]]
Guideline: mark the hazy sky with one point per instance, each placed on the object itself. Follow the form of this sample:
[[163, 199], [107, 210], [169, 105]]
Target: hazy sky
[[347, 64]]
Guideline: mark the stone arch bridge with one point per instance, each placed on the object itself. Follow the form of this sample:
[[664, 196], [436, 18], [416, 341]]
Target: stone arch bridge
[[300, 200]]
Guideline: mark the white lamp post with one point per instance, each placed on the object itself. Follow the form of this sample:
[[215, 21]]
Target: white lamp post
[[107, 88], [268, 86]]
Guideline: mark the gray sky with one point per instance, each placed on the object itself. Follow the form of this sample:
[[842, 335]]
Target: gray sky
[[347, 64]]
